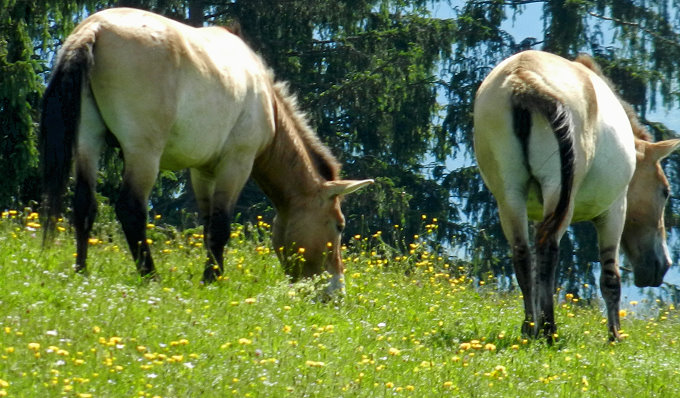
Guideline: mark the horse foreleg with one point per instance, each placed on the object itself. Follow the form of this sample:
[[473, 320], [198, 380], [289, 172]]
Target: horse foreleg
[[610, 287], [609, 228], [217, 229], [84, 212], [131, 210]]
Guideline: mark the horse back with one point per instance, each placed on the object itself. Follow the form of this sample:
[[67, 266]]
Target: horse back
[[185, 94]]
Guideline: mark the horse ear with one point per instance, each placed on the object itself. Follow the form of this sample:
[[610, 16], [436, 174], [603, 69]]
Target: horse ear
[[661, 149], [343, 187]]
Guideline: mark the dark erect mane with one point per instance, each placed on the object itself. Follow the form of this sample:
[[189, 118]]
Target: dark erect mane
[[639, 130], [322, 159]]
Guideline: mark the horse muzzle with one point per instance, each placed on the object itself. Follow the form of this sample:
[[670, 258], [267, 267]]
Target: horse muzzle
[[652, 272]]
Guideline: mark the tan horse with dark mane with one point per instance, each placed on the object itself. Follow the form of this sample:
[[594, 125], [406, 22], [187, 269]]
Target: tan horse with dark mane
[[555, 144], [177, 97]]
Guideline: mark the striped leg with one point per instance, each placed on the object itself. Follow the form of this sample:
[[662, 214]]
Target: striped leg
[[609, 228]]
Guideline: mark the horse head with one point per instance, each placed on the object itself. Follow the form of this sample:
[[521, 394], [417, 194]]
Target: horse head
[[644, 234], [307, 234]]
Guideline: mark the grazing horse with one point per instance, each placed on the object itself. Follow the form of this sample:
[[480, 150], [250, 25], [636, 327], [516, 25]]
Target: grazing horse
[[177, 97], [556, 145]]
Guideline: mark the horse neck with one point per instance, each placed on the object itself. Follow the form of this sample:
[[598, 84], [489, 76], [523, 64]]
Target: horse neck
[[285, 170]]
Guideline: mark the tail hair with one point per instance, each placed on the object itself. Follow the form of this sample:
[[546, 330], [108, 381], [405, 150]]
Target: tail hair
[[560, 118], [59, 128]]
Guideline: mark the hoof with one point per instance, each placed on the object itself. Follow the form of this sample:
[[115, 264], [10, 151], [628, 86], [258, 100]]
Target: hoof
[[211, 274]]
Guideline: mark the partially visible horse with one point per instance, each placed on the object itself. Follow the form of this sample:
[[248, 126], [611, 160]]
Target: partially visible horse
[[555, 144], [177, 97]]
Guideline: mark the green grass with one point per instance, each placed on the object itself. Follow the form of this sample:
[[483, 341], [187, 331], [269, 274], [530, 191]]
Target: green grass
[[410, 325]]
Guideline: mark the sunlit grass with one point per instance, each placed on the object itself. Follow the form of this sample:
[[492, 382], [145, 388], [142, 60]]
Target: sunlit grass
[[412, 324]]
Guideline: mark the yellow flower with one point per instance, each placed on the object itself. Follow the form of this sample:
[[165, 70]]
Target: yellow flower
[[34, 346], [389, 384], [315, 364], [393, 351], [250, 300], [245, 341]]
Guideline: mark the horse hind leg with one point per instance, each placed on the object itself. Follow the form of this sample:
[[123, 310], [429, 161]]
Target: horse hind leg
[[84, 213], [90, 141], [514, 221], [131, 208], [548, 235], [547, 258]]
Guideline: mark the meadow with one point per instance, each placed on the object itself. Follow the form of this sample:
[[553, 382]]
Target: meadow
[[412, 324]]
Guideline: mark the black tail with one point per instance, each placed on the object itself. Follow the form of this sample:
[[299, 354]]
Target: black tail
[[59, 129], [560, 119]]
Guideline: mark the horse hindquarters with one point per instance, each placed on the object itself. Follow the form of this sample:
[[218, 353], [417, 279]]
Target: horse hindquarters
[[515, 150]]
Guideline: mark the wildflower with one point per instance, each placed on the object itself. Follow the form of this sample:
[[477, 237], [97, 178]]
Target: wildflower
[[250, 300], [315, 364], [34, 346], [245, 341], [176, 358], [394, 352], [31, 226], [490, 347], [389, 384]]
